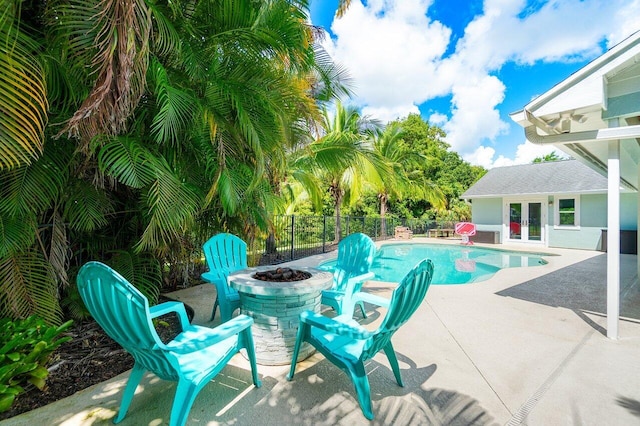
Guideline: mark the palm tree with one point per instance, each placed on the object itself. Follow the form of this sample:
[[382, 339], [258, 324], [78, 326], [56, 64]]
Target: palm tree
[[163, 120], [338, 158], [552, 156], [396, 181]]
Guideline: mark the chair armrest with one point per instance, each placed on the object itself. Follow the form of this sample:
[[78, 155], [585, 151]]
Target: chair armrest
[[354, 284], [336, 327], [168, 307], [371, 298], [203, 339], [362, 277]]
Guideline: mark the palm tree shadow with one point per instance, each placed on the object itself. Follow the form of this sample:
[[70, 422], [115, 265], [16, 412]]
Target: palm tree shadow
[[633, 405], [335, 400]]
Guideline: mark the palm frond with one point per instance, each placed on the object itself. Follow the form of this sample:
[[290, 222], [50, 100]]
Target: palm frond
[[140, 269], [171, 204], [28, 287], [17, 234], [166, 39], [329, 81], [175, 108], [33, 188], [87, 208], [231, 187], [128, 161], [343, 5], [59, 251], [23, 100]]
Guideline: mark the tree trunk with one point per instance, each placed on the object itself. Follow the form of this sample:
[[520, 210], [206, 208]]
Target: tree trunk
[[383, 212], [338, 201]]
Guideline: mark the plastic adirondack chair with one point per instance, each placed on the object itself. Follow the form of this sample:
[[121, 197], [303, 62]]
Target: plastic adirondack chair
[[355, 256], [225, 253], [348, 345], [192, 358]]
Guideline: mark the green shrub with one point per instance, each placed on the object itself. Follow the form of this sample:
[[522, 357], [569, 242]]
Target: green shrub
[[26, 348]]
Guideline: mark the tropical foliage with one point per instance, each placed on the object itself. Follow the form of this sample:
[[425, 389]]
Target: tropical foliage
[[338, 159], [402, 177], [132, 130], [552, 156]]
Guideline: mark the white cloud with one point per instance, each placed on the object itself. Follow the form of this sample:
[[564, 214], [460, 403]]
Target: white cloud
[[526, 152], [438, 119], [474, 113], [398, 58], [392, 56], [390, 113]]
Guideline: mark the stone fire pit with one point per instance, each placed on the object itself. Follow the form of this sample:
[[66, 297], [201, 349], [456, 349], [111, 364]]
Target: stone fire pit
[[274, 297]]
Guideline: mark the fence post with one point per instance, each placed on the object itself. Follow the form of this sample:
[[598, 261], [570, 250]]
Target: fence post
[[375, 227], [324, 232], [293, 233]]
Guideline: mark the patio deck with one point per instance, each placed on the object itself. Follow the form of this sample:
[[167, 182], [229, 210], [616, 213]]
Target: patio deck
[[527, 346]]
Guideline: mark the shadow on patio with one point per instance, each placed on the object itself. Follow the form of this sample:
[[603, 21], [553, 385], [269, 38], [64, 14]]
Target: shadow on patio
[[582, 287]]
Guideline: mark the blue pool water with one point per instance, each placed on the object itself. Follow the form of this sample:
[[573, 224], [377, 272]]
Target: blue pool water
[[453, 264]]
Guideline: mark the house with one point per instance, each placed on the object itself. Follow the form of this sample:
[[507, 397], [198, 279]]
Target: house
[[554, 204], [594, 116]]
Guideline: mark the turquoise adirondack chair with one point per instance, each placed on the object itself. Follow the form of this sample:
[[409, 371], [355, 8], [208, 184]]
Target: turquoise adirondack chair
[[355, 256], [192, 358], [225, 253], [348, 345]]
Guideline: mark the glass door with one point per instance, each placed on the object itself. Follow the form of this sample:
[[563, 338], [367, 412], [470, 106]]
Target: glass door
[[525, 220], [534, 221]]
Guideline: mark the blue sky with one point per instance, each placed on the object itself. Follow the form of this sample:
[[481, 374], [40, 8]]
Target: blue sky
[[464, 65]]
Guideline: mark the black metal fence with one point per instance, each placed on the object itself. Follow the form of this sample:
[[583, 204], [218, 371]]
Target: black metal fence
[[296, 237]]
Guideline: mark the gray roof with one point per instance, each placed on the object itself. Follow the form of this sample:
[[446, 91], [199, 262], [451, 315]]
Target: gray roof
[[556, 177]]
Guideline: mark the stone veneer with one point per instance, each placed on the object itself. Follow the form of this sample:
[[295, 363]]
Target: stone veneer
[[275, 308]]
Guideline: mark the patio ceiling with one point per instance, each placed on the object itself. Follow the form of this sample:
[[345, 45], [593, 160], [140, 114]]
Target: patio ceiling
[[597, 104]]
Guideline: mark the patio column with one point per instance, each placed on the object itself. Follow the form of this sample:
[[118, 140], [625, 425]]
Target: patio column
[[613, 238]]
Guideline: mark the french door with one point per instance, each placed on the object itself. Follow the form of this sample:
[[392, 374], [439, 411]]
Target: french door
[[524, 220]]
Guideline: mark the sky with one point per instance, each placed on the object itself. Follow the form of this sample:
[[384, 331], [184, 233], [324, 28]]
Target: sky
[[465, 65]]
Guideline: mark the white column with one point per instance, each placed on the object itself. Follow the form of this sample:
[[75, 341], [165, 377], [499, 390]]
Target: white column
[[613, 239]]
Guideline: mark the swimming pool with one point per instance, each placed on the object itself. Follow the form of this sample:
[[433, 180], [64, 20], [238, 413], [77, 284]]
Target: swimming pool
[[454, 264]]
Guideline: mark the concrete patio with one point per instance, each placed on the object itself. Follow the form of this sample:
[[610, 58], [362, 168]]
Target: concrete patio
[[527, 347]]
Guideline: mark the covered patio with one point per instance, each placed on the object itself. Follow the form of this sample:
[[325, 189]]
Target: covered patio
[[527, 346], [594, 116]]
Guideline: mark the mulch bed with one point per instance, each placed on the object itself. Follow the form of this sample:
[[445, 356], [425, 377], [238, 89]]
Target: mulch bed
[[90, 357]]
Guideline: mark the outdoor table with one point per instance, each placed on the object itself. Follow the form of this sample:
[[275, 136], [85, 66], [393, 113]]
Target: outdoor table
[[275, 308]]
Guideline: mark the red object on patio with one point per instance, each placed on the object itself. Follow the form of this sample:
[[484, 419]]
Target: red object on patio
[[466, 230]]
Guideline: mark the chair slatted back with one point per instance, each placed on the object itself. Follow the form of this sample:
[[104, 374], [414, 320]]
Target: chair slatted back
[[123, 313], [405, 300], [355, 257], [225, 253]]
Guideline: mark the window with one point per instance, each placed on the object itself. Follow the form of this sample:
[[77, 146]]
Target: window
[[567, 212]]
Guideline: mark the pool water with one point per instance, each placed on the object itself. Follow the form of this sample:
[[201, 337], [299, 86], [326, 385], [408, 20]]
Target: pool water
[[453, 264]]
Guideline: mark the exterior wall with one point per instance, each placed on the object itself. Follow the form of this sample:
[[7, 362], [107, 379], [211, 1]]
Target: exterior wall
[[593, 219], [486, 213]]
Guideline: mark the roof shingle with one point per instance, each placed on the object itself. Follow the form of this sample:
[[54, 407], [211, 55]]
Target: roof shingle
[[557, 177]]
